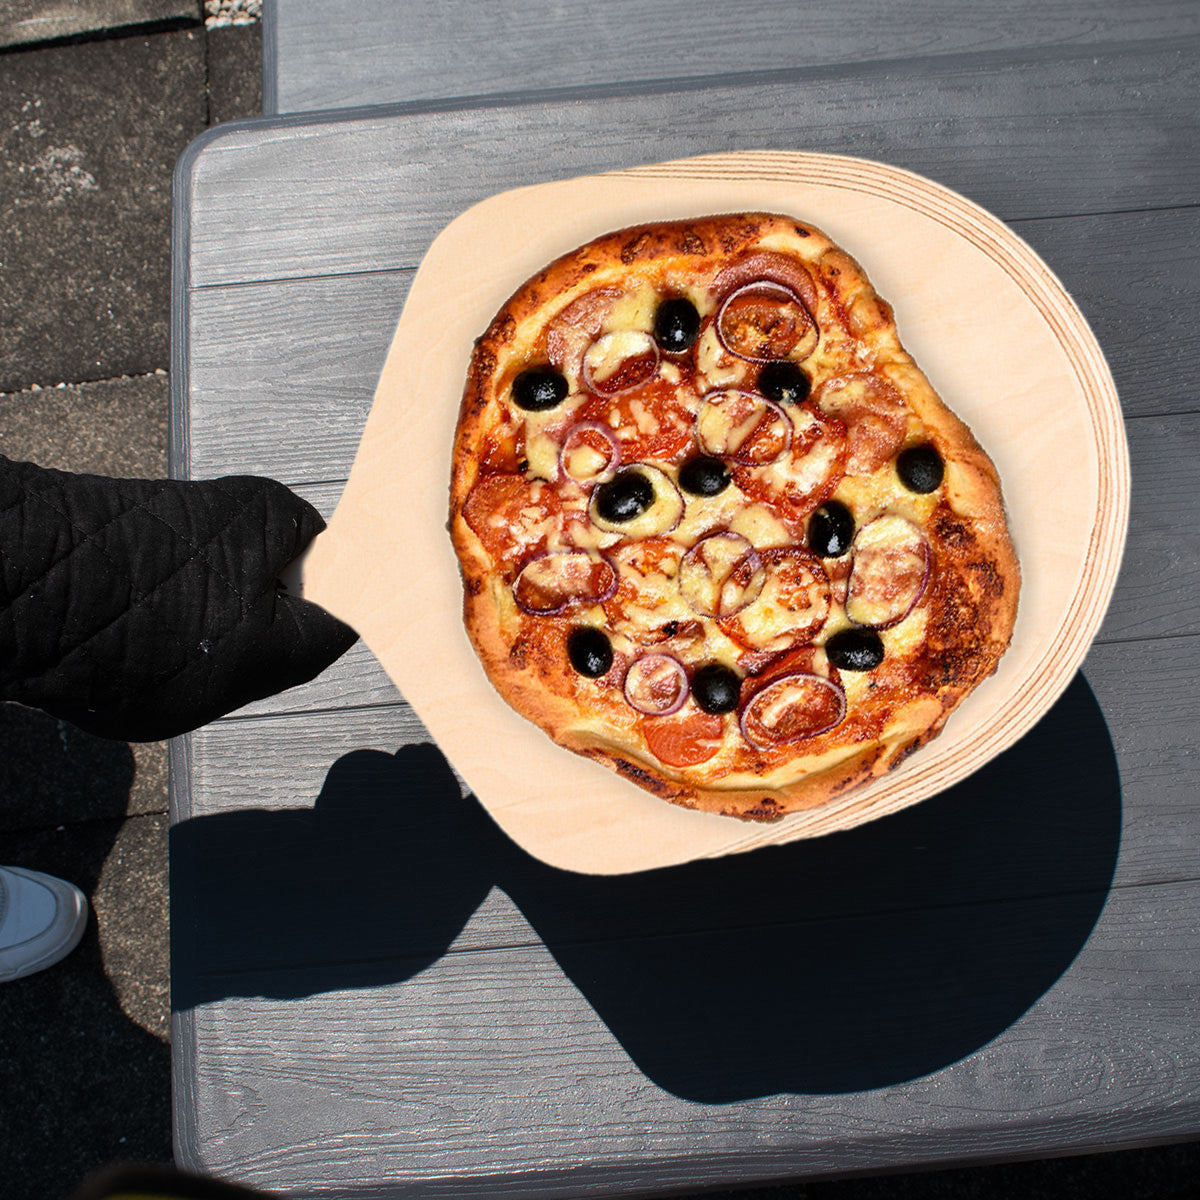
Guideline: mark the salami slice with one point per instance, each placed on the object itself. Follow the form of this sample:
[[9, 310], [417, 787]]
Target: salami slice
[[551, 583], [890, 568], [874, 415], [792, 709]]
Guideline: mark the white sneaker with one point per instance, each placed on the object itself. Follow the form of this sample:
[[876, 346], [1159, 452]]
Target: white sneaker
[[41, 921]]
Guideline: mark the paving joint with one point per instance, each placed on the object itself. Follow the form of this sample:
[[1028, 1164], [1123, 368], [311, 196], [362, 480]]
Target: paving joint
[[157, 373], [113, 33]]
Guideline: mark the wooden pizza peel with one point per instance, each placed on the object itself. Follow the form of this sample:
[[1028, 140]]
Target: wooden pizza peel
[[983, 316]]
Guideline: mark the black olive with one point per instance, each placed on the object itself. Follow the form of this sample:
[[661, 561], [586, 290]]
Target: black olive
[[855, 650], [920, 468], [625, 497], [784, 383], [716, 688], [538, 389], [589, 650], [676, 324], [830, 530], [704, 476]]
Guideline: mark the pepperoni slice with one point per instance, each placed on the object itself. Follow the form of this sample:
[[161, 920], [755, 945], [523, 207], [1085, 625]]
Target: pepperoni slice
[[790, 609], [578, 325], [589, 452], [656, 684], [620, 361], [720, 575], [647, 606], [550, 583], [889, 571], [650, 422], [792, 709], [512, 516], [799, 480], [685, 739], [766, 322], [772, 267], [743, 426], [874, 415]]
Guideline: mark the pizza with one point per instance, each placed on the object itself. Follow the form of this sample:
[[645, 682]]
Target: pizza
[[716, 529]]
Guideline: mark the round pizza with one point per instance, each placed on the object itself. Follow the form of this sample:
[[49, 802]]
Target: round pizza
[[716, 529]]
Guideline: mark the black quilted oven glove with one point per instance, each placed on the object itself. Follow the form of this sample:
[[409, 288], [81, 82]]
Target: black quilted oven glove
[[140, 609]]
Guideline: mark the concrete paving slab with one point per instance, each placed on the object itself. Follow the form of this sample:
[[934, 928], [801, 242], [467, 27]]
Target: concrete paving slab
[[83, 1084], [234, 72], [26, 21], [89, 136], [53, 774], [117, 427], [130, 903]]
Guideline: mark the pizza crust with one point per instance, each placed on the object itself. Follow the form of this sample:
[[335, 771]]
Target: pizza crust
[[960, 628]]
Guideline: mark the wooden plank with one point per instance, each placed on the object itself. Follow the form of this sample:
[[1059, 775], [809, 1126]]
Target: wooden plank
[[394, 841], [1136, 278], [368, 194], [1156, 588], [280, 378], [307, 352], [1154, 596], [365, 52], [572, 1060], [1131, 768]]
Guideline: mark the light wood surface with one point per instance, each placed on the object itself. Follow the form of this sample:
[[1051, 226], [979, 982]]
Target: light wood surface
[[379, 995]]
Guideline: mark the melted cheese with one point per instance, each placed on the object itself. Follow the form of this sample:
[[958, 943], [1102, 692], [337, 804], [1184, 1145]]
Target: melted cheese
[[634, 311], [605, 356], [541, 453]]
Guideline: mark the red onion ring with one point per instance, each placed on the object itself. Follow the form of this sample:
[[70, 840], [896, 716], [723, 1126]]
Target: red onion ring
[[563, 600], [643, 376], [767, 266], [717, 398], [859, 554], [640, 679], [576, 431], [696, 576], [760, 285], [763, 697], [785, 627]]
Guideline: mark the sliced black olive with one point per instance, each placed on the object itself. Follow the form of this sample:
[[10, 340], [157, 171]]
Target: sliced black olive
[[920, 468], [538, 389], [704, 476], [784, 383], [855, 650], [625, 497], [676, 324], [716, 688], [590, 651], [830, 530]]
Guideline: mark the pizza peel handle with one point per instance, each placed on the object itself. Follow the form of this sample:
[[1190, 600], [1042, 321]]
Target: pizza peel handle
[[386, 566]]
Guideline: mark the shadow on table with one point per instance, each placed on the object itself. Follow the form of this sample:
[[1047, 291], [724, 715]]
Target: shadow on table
[[853, 961]]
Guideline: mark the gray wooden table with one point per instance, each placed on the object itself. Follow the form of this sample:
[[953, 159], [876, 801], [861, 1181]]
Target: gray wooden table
[[375, 992]]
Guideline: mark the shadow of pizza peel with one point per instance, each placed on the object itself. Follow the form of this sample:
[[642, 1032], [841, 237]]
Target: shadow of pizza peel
[[849, 962]]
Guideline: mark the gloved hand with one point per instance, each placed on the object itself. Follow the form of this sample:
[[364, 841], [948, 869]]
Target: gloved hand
[[140, 609]]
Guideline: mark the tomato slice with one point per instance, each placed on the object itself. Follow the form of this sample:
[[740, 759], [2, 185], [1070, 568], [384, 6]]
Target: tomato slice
[[684, 739], [650, 422], [511, 515], [806, 475]]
